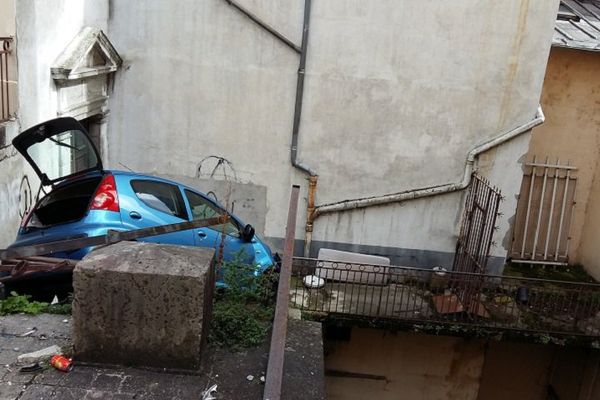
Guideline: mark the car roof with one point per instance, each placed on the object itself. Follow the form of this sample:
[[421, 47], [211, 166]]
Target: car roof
[[134, 175]]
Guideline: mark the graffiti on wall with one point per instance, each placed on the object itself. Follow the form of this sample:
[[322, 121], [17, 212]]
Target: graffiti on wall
[[7, 152], [25, 197]]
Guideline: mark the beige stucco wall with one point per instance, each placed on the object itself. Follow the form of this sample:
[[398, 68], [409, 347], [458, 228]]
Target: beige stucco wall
[[7, 17], [589, 249], [416, 366], [516, 371], [571, 100]]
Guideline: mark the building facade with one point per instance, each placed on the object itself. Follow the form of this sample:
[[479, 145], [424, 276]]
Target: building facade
[[391, 105]]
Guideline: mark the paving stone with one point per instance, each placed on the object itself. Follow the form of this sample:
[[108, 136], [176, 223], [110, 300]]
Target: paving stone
[[10, 392], [15, 376], [38, 392], [44, 392], [107, 395], [79, 377], [108, 381], [49, 377]]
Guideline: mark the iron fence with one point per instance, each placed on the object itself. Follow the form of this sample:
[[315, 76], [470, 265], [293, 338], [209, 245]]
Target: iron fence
[[419, 296], [5, 92]]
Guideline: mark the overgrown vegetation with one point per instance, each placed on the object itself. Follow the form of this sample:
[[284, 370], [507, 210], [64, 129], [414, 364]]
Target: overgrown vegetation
[[16, 303], [243, 310]]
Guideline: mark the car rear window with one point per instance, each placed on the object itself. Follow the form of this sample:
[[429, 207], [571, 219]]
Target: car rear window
[[160, 196]]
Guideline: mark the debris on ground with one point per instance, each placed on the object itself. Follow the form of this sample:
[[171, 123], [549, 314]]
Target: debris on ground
[[62, 363], [208, 393], [40, 355], [35, 367], [28, 332]]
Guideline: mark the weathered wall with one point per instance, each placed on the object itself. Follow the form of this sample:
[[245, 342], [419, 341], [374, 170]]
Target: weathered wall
[[516, 371], [571, 98], [396, 95], [589, 251], [415, 366], [43, 29], [10, 164], [419, 366]]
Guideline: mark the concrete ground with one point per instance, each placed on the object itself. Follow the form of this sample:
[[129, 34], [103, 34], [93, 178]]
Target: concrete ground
[[303, 375]]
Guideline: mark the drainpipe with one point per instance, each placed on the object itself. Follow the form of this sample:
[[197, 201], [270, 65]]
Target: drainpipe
[[299, 94], [310, 210], [411, 194], [312, 180], [302, 51]]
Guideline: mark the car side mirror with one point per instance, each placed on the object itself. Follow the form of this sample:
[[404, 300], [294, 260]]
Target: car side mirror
[[247, 233]]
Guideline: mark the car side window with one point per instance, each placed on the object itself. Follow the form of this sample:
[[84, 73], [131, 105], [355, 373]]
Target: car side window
[[160, 196], [202, 209]]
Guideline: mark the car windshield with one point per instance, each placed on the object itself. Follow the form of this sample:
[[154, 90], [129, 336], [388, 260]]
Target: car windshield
[[64, 154]]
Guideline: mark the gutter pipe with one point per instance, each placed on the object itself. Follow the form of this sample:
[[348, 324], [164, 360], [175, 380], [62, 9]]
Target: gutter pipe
[[299, 94], [411, 194]]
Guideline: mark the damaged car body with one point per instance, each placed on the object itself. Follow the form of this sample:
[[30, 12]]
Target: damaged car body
[[86, 200]]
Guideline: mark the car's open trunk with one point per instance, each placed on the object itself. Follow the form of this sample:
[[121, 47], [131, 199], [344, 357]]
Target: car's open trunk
[[67, 203]]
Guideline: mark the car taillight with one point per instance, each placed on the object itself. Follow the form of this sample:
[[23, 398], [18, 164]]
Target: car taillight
[[26, 217], [106, 197]]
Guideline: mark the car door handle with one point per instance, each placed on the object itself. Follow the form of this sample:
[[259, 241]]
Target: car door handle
[[202, 234], [135, 215]]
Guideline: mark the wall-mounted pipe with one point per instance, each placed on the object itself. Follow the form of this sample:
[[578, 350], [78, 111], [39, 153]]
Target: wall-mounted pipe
[[302, 51], [411, 194], [300, 93]]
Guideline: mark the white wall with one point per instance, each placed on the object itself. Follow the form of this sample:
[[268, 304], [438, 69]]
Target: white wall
[[396, 95], [43, 30]]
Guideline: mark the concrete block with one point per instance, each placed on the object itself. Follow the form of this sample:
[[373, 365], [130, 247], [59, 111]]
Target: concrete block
[[143, 304], [352, 267]]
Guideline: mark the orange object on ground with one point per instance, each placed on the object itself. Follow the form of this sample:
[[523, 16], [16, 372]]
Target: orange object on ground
[[61, 363]]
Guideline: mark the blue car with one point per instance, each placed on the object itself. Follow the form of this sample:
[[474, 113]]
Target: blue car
[[86, 200]]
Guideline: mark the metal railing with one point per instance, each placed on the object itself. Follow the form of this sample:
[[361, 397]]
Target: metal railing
[[420, 296], [5, 92]]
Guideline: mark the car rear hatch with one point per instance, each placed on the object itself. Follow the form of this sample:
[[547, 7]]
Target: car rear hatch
[[64, 157], [58, 149]]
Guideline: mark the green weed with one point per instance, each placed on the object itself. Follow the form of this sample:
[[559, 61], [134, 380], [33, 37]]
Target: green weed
[[243, 311], [16, 303]]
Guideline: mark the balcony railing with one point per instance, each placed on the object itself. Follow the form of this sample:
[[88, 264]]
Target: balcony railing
[[422, 296], [5, 89]]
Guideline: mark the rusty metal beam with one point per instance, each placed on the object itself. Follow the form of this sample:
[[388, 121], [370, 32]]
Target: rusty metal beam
[[276, 352], [22, 268], [110, 238]]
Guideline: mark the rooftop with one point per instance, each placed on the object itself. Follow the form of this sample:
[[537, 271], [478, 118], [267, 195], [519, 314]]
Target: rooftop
[[578, 25]]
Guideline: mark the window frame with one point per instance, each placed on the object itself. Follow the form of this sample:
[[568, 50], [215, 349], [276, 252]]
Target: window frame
[[232, 219], [179, 197]]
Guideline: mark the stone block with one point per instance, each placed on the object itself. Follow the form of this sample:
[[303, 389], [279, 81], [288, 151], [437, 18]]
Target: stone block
[[143, 304]]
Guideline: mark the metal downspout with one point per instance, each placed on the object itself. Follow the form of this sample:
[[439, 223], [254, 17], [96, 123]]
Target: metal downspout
[[300, 93], [411, 194], [302, 50], [312, 180]]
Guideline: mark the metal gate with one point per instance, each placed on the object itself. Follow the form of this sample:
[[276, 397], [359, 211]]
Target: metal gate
[[475, 240], [544, 214], [478, 225]]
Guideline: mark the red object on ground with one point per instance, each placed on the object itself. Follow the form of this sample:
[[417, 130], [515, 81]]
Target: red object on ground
[[61, 363]]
